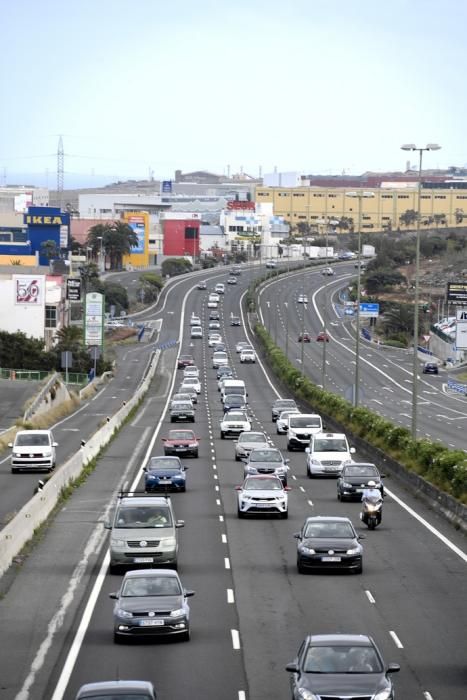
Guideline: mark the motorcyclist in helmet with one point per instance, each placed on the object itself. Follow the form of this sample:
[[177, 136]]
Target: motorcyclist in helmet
[[371, 491]]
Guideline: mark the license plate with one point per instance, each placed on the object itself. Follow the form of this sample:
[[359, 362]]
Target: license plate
[[182, 415], [262, 505], [143, 560], [180, 449], [163, 480], [151, 623], [330, 559], [358, 490]]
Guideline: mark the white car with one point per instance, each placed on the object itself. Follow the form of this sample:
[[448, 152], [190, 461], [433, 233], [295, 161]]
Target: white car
[[247, 355], [327, 454], [192, 383], [220, 358], [302, 299], [214, 325], [327, 271], [195, 320], [185, 396], [214, 297], [214, 339], [234, 423], [191, 371], [241, 345], [212, 304], [271, 264], [250, 441], [220, 288], [262, 494], [222, 379], [33, 450], [282, 423], [196, 332]]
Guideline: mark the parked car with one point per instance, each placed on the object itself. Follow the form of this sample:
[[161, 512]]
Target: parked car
[[143, 531], [247, 356], [265, 495], [151, 603], [185, 360], [283, 405], [430, 368], [322, 337], [117, 690], [354, 478], [234, 423], [336, 665], [267, 461], [304, 337], [328, 542], [327, 454], [33, 450], [181, 442], [181, 411], [164, 474], [249, 441]]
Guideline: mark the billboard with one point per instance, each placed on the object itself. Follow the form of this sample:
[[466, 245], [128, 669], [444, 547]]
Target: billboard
[[137, 222], [73, 289], [29, 290], [457, 293], [94, 319], [461, 329]]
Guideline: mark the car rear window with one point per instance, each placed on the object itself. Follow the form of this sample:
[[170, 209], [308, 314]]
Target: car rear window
[[330, 445], [305, 422]]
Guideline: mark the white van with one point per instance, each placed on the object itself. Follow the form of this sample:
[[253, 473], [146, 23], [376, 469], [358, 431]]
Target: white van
[[300, 428], [33, 450], [233, 386], [327, 454]]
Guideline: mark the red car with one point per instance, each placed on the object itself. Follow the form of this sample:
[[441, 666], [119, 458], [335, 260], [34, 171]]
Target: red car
[[304, 338], [322, 337], [181, 442], [185, 361]]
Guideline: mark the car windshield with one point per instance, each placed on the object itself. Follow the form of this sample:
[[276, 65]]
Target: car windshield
[[36, 439], [329, 530], [355, 470], [286, 403], [181, 406], [181, 435], [235, 417], [138, 517], [182, 397], [342, 659], [252, 437], [265, 456], [330, 445], [305, 422], [263, 485], [150, 586]]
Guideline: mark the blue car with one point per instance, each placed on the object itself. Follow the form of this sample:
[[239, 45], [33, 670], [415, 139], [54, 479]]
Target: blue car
[[164, 474]]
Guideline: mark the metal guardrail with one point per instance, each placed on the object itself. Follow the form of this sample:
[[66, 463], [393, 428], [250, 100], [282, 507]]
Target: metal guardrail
[[75, 378], [28, 374]]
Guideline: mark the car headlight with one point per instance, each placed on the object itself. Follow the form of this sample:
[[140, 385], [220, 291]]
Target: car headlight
[[117, 543], [305, 694], [346, 485], [16, 454], [354, 550], [177, 613], [124, 613], [193, 444], [169, 542], [306, 550], [315, 461], [384, 695], [47, 453]]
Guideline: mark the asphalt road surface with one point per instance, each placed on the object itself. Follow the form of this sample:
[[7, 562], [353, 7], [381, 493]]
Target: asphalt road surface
[[14, 394]]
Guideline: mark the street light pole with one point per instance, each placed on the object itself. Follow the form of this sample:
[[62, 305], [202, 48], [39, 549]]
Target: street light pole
[[412, 147], [286, 329], [359, 196]]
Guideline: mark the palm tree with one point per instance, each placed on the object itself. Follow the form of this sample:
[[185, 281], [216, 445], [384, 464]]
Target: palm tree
[[399, 319], [50, 250], [408, 218], [69, 338], [117, 238]]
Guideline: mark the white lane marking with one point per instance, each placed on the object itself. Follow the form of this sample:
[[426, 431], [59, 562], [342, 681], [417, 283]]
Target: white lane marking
[[214, 466], [224, 538], [221, 518], [396, 640], [294, 477], [370, 597], [302, 489], [227, 562], [215, 476], [70, 430], [230, 596], [241, 695], [310, 503], [218, 501], [429, 527], [427, 695], [216, 488], [235, 639]]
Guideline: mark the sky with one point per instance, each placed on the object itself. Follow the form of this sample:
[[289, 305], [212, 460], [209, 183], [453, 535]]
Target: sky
[[314, 86]]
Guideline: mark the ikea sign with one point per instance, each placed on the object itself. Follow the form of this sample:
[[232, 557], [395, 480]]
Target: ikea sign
[[35, 220]]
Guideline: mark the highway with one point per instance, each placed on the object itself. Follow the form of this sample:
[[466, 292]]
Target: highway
[[251, 609]]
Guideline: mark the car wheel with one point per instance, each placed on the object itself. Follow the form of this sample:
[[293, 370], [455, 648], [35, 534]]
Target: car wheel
[[240, 514], [195, 454], [171, 419], [222, 435], [237, 458], [359, 570], [183, 489], [289, 447], [285, 515], [339, 496], [185, 637], [193, 419], [114, 568], [300, 568], [14, 470], [308, 473], [117, 638]]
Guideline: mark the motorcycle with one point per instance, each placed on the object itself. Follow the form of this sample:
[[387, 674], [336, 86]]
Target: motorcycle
[[372, 510]]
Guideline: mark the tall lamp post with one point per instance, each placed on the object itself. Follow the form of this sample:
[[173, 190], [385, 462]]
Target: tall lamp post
[[413, 147], [286, 304], [359, 195], [101, 254]]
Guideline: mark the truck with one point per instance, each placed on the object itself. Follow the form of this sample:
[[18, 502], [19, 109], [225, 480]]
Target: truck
[[368, 251]]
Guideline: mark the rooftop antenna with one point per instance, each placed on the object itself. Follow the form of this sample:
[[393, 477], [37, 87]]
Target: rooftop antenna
[[228, 172], [60, 171]]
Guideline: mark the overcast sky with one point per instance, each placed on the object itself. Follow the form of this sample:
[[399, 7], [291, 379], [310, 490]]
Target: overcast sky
[[309, 85]]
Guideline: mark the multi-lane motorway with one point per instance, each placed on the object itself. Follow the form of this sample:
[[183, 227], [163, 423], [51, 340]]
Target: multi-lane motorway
[[251, 609]]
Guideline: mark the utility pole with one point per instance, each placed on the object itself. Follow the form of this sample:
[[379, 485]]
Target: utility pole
[[60, 171]]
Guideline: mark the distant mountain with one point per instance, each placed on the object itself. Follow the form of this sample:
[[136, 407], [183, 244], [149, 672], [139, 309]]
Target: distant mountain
[[71, 181]]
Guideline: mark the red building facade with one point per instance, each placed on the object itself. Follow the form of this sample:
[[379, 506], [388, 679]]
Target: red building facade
[[181, 235]]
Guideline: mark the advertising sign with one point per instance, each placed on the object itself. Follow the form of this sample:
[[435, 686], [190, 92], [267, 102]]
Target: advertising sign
[[29, 290], [167, 186], [369, 310], [457, 293], [137, 223], [461, 329], [94, 319], [73, 289]]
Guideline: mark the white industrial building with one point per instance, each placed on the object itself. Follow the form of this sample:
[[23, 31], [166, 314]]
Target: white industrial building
[[18, 199], [246, 227]]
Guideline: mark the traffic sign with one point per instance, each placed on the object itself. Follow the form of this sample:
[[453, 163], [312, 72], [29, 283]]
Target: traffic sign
[[369, 310]]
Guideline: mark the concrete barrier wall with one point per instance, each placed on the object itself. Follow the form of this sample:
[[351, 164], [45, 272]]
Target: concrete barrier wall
[[21, 528]]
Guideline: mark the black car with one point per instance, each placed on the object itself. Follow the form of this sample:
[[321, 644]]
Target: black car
[[163, 474], [327, 543], [214, 315], [354, 478], [430, 368], [338, 666], [283, 405], [235, 402], [224, 371]]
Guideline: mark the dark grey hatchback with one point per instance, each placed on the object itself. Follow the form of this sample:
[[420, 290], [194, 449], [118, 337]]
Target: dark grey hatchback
[[354, 478], [336, 666], [328, 542]]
